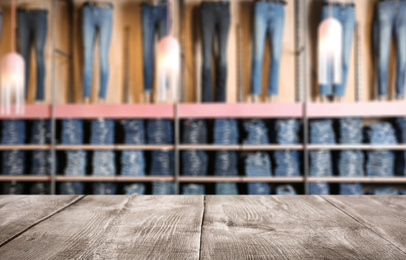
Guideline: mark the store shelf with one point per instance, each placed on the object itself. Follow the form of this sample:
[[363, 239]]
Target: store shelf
[[357, 147], [114, 147], [272, 147], [25, 147], [208, 179], [240, 110], [240, 179], [209, 147], [362, 109], [358, 179], [114, 111], [273, 179], [214, 147], [25, 178], [31, 112], [115, 178]]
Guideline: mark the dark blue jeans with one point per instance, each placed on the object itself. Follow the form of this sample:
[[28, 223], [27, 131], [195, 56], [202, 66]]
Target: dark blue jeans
[[41, 161], [103, 161], [13, 161], [133, 162], [153, 17], [258, 165], [390, 18], [214, 15], [96, 21], [72, 133], [32, 29], [345, 14], [269, 18]]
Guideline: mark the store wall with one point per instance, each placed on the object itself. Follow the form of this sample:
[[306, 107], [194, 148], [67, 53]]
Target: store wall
[[128, 13]]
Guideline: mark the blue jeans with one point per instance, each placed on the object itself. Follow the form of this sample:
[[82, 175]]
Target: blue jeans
[[383, 191], [214, 15], [41, 160], [194, 131], [350, 130], [96, 20], [72, 134], [225, 131], [287, 163], [389, 17], [152, 17], [351, 189], [193, 189], [258, 165], [133, 162], [285, 190], [345, 14], [269, 17], [256, 131], [103, 161], [159, 131], [13, 161], [33, 28]]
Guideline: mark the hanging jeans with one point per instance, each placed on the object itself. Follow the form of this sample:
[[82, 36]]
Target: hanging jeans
[[103, 161], [214, 15], [390, 18], [153, 17], [72, 134], [345, 14], [133, 161], [96, 20], [41, 161], [32, 29], [194, 162], [269, 18], [13, 161]]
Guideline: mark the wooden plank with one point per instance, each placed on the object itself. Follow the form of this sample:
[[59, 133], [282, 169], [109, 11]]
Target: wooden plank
[[286, 227], [385, 215], [116, 227], [18, 214]]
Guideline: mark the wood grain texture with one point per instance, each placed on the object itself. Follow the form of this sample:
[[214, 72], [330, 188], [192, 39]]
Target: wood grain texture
[[286, 227], [20, 212], [385, 215], [116, 227]]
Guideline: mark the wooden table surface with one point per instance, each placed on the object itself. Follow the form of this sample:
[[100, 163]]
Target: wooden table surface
[[202, 227]]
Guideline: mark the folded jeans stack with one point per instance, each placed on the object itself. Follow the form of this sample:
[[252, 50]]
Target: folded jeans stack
[[257, 164], [321, 132], [380, 163], [41, 159], [400, 124], [287, 162], [159, 131], [194, 162], [133, 161], [13, 132], [350, 163], [226, 132], [72, 134], [383, 191], [102, 132]]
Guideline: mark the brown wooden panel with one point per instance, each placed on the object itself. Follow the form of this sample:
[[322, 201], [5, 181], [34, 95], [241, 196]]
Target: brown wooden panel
[[116, 227], [386, 215], [286, 227], [20, 212]]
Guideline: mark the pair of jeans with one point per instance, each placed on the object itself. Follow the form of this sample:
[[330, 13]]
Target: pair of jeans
[[268, 18], [256, 132], [225, 131], [287, 131], [285, 190], [383, 191], [381, 133], [287, 163], [258, 165], [345, 14], [159, 131], [193, 189], [153, 17], [96, 20], [194, 131], [389, 18], [133, 161], [13, 161], [32, 29], [351, 189], [102, 132], [380, 164], [41, 161], [350, 130], [214, 16], [72, 134], [226, 165]]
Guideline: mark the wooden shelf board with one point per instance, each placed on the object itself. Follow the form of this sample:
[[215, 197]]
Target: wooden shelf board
[[25, 178], [358, 179], [115, 178], [25, 147]]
